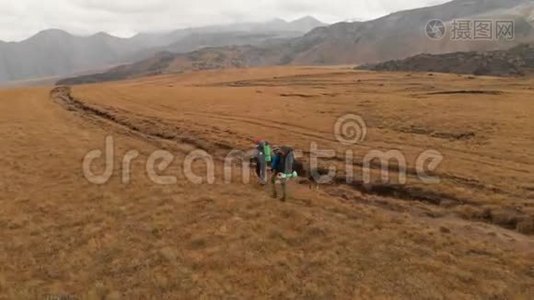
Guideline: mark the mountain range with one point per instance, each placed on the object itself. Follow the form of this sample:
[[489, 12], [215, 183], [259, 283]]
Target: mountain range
[[402, 34], [396, 36], [56, 53], [303, 42]]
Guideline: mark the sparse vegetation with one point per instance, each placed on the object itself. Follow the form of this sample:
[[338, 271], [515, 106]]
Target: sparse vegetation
[[64, 236], [410, 138]]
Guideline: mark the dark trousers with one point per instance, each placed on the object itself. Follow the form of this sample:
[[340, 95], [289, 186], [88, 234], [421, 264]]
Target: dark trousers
[[261, 169]]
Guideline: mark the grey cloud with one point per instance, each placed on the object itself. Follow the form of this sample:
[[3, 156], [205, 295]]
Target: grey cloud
[[21, 19], [125, 6]]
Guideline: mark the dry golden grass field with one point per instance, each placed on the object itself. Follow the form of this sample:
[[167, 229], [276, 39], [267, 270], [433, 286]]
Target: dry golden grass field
[[471, 236]]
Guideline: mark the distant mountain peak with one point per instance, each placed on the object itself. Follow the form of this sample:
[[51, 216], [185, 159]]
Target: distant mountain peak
[[103, 34], [308, 19], [306, 24], [51, 32], [276, 21]]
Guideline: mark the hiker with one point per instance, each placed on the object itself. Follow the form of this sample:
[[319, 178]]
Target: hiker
[[262, 158], [282, 166]]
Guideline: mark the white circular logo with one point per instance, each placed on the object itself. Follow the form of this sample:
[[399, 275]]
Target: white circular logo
[[351, 130], [435, 29]]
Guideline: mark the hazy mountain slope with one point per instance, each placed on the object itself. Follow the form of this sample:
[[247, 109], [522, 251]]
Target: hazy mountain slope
[[402, 34], [4, 72], [395, 36], [305, 24], [57, 53], [255, 34], [203, 59], [197, 41]]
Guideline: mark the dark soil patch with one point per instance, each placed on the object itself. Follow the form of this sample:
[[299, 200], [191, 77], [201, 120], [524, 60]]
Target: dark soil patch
[[463, 92], [465, 135], [298, 95], [146, 127]]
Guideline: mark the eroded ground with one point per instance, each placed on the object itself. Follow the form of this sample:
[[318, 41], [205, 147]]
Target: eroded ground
[[469, 236]]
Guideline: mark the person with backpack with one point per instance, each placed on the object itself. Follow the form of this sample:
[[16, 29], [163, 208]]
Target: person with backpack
[[282, 166], [262, 158]]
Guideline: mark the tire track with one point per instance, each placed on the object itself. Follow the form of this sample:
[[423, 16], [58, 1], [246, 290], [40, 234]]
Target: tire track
[[156, 128], [264, 123]]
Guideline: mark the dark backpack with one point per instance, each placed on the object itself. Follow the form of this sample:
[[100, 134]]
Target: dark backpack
[[289, 160]]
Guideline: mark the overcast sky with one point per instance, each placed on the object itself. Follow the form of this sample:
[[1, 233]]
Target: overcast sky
[[20, 19]]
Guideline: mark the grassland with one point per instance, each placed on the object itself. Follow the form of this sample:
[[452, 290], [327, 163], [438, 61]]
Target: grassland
[[468, 237]]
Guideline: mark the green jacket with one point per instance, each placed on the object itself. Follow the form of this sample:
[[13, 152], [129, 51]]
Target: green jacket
[[268, 152]]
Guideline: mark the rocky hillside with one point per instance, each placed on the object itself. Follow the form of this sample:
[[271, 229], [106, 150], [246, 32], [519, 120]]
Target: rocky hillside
[[167, 62], [514, 62], [402, 34]]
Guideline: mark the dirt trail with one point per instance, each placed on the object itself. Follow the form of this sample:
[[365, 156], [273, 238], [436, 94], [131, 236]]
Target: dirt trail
[[188, 140], [64, 236], [482, 174]]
